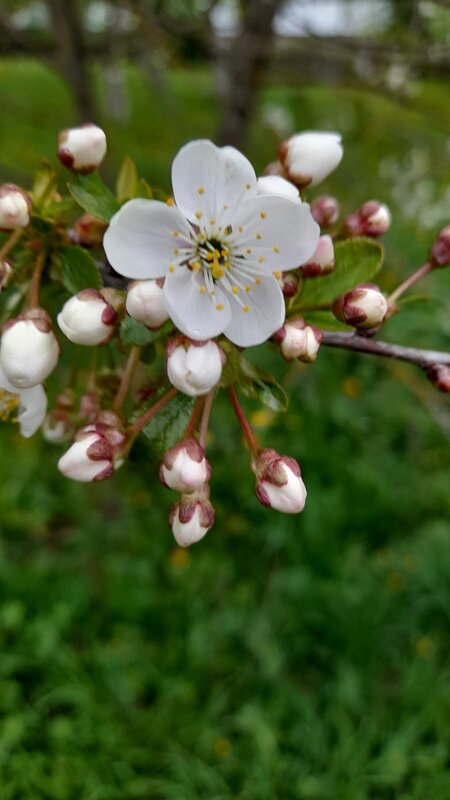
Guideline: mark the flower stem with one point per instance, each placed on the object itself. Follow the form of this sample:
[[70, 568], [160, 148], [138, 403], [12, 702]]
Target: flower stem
[[35, 285], [205, 418], [192, 424], [133, 361], [140, 423], [247, 430], [11, 242], [413, 278], [361, 344]]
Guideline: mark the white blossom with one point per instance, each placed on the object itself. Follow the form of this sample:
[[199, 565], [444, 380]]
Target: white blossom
[[87, 318], [15, 207], [309, 157], [184, 467], [145, 302], [82, 149]]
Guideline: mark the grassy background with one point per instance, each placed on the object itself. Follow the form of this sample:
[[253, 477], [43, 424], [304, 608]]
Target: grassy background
[[284, 657]]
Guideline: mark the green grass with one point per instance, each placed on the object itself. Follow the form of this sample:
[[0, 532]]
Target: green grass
[[290, 658]]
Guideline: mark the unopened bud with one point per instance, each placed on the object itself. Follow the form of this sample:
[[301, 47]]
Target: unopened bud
[[289, 283], [298, 340], [194, 368], [145, 302], [59, 425], [82, 149], [15, 207], [87, 318], [279, 483], [439, 376], [88, 231], [96, 452], [275, 184], [325, 210], [372, 219], [184, 467], [363, 307], [309, 157], [29, 350], [192, 517], [321, 261], [6, 272], [440, 250]]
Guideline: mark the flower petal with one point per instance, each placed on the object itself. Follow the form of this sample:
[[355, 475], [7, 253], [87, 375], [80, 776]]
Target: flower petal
[[281, 233], [265, 314], [194, 313], [142, 237], [209, 182], [33, 405]]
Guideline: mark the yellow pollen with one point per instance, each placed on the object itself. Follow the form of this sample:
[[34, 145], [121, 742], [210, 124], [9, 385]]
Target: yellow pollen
[[261, 259], [225, 206], [276, 249], [209, 256], [240, 229], [235, 289], [277, 274], [247, 186], [248, 250], [212, 221], [202, 290], [202, 238], [258, 236], [257, 281], [8, 404], [171, 268], [219, 306], [216, 254], [224, 253], [262, 215], [248, 288], [170, 201], [245, 308], [199, 214], [175, 233], [176, 251], [217, 272], [200, 190], [195, 266]]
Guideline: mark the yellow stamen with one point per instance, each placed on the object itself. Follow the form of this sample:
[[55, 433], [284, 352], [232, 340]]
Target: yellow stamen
[[245, 308], [257, 281], [171, 268], [195, 266], [261, 259], [202, 290], [175, 233], [235, 289], [248, 288], [247, 186], [277, 274], [200, 190], [262, 215], [170, 201], [248, 250], [258, 236], [276, 249], [217, 272], [199, 214], [219, 306]]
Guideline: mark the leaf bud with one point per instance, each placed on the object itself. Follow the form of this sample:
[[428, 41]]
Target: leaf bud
[[145, 302], [325, 210], [363, 307], [309, 157], [440, 250], [192, 517], [322, 260], [29, 350], [439, 376], [15, 207], [279, 483], [87, 318], [194, 368], [82, 149], [184, 467]]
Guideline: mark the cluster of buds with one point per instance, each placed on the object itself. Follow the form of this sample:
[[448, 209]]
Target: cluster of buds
[[185, 469], [194, 368], [298, 340], [372, 219], [363, 307]]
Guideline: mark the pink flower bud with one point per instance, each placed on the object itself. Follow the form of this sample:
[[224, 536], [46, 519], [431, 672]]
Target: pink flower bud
[[279, 483], [321, 261], [309, 157], [29, 350], [363, 307], [96, 452], [194, 368], [192, 517], [289, 283], [82, 149], [15, 207], [145, 302], [184, 467], [372, 219], [88, 231], [87, 318], [274, 184], [439, 376], [298, 340], [325, 210], [440, 250]]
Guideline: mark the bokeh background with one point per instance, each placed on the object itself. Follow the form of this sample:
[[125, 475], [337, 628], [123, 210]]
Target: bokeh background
[[300, 658]]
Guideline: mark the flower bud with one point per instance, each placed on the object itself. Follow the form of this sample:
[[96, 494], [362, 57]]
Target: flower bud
[[440, 250], [58, 425], [322, 260], [279, 483], [87, 318], [15, 206], [88, 231], [274, 184], [372, 219], [194, 367], [82, 149], [184, 467], [289, 283], [29, 350], [363, 307], [192, 517], [96, 452], [145, 302], [6, 271], [439, 376], [325, 210], [309, 157], [298, 340]]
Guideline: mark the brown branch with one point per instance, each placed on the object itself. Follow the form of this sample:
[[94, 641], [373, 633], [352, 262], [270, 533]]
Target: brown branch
[[361, 344]]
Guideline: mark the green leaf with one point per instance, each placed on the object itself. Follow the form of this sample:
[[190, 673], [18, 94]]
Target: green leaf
[[135, 334], [44, 185], [261, 385], [90, 193], [144, 189], [164, 430], [77, 269], [357, 261], [127, 185], [326, 321]]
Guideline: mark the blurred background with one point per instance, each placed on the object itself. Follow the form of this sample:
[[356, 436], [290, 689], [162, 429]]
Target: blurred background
[[300, 658]]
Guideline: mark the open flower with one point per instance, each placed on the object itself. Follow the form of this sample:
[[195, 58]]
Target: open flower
[[31, 404], [220, 247]]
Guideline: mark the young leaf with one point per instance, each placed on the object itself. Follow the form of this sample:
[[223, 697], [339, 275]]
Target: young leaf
[[135, 333], [77, 269], [261, 385], [90, 193], [326, 321], [164, 430], [357, 261], [127, 185]]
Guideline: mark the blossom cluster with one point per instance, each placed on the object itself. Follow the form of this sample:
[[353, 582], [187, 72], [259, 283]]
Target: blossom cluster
[[228, 261]]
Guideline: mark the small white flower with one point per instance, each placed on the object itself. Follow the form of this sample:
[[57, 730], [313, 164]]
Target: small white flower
[[219, 248], [145, 302], [87, 318], [82, 149], [194, 368], [191, 518], [185, 467], [31, 402], [29, 350], [309, 157], [279, 485], [15, 207], [274, 184]]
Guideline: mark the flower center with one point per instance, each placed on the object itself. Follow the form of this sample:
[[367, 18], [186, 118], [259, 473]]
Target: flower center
[[9, 404]]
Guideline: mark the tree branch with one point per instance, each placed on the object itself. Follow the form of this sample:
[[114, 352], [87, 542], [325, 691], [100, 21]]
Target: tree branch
[[361, 344]]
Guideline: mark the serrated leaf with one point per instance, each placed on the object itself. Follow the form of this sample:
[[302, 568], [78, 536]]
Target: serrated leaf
[[127, 184], [261, 385], [135, 333], [164, 430], [77, 269], [90, 193], [357, 261]]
